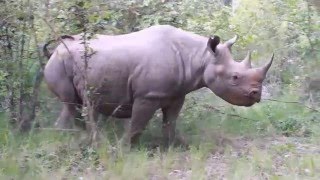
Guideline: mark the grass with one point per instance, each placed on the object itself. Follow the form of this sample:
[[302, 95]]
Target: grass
[[270, 140], [57, 157], [271, 164]]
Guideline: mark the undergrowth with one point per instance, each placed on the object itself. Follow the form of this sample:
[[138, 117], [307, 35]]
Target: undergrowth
[[211, 130]]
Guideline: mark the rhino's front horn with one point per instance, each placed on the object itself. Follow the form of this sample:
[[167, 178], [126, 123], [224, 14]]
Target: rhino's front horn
[[230, 42], [266, 67], [247, 60]]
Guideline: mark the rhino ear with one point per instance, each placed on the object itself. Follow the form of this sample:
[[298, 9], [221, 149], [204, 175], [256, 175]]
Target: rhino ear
[[213, 43]]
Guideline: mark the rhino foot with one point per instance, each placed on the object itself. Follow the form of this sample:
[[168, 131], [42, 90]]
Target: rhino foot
[[63, 124]]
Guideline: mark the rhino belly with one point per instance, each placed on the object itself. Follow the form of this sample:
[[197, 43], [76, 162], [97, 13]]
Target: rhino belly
[[106, 96]]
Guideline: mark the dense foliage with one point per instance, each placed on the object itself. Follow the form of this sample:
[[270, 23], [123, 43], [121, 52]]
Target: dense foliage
[[289, 28]]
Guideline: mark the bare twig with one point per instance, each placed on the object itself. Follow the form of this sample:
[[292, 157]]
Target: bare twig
[[23, 48], [38, 78], [56, 36], [106, 103], [57, 129], [221, 112], [294, 102]]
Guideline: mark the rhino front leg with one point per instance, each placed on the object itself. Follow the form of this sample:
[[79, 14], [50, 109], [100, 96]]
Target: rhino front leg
[[170, 115], [142, 112]]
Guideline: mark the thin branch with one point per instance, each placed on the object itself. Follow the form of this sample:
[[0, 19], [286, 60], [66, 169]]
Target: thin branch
[[56, 129], [221, 112], [56, 36], [4, 20], [294, 102]]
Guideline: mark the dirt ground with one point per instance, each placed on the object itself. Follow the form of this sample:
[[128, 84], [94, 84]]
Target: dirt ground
[[285, 157]]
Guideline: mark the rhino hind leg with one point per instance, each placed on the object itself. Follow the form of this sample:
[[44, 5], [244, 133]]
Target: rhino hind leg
[[63, 88], [70, 114], [65, 120], [122, 111]]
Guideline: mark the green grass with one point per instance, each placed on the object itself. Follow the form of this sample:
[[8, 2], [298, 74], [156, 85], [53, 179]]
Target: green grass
[[56, 156], [270, 140]]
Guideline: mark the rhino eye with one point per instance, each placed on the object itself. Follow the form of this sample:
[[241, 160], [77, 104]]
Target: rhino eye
[[235, 77]]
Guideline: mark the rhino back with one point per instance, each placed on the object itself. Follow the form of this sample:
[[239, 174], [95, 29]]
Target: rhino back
[[141, 64]]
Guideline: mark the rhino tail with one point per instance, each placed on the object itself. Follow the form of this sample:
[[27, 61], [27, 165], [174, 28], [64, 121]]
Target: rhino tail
[[46, 52]]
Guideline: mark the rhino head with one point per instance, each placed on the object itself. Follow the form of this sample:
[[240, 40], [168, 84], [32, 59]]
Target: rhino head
[[235, 82]]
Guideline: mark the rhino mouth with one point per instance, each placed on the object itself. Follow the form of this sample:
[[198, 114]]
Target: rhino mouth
[[246, 101], [251, 100], [249, 104]]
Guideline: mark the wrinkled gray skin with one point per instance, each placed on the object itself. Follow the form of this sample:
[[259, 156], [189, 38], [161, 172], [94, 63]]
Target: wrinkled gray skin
[[135, 74]]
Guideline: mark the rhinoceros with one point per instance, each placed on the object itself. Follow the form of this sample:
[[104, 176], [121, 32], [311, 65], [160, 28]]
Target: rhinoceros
[[133, 75]]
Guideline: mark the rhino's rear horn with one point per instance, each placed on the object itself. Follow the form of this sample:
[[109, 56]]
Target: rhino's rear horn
[[247, 60], [230, 42]]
